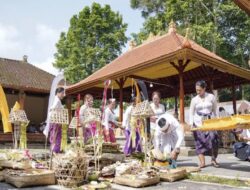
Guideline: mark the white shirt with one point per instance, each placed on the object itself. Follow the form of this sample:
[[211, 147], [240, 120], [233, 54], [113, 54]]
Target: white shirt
[[57, 104], [167, 141], [223, 114], [81, 112], [157, 111], [109, 116], [246, 133], [127, 118], [206, 105]]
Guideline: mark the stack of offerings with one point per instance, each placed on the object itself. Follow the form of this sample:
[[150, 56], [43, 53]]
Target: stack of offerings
[[71, 168], [18, 170], [29, 177], [14, 159], [171, 175], [107, 147], [131, 174], [110, 154]]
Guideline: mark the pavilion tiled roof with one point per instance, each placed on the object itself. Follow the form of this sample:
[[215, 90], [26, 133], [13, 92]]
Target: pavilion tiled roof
[[20, 75], [244, 5], [153, 58]]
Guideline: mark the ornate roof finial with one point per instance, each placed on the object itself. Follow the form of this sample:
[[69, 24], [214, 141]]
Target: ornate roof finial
[[172, 27], [186, 43], [132, 44], [151, 37]]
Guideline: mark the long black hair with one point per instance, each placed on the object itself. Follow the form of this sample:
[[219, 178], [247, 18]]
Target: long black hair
[[59, 90], [201, 83]]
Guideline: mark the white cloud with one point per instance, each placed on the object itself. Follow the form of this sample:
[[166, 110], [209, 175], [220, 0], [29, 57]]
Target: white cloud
[[47, 35], [9, 43], [47, 66]]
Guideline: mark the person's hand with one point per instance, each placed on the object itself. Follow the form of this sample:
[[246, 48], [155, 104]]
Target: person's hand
[[174, 153]]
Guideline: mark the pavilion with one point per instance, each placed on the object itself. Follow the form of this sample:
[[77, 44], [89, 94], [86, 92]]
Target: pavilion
[[173, 62]]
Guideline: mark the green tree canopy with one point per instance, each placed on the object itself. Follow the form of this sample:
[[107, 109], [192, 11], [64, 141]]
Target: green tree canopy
[[218, 25], [95, 37]]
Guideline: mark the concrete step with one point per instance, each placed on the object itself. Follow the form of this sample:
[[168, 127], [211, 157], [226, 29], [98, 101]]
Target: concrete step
[[225, 150], [187, 144], [187, 151]]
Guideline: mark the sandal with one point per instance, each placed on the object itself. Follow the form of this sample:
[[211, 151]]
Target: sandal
[[202, 166], [215, 164]]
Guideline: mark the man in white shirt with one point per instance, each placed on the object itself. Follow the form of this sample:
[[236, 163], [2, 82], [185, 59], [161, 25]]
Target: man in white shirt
[[168, 135]]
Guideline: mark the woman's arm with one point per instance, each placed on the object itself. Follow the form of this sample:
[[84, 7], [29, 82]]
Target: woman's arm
[[125, 121], [214, 108], [191, 112], [106, 119]]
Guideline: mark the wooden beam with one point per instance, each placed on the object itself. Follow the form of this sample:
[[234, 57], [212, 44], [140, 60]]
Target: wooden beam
[[180, 68], [121, 84], [234, 94], [142, 78], [21, 99], [68, 104]]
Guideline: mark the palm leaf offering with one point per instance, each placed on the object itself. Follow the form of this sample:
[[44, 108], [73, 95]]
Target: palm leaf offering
[[92, 115], [59, 116], [142, 109]]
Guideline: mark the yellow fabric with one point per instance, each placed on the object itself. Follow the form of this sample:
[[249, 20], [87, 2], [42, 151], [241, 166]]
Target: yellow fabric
[[163, 70], [64, 137], [226, 123], [4, 110], [16, 106], [133, 121], [23, 136], [133, 124], [160, 70]]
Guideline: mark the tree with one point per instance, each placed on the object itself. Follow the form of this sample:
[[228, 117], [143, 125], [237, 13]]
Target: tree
[[218, 25], [95, 37]]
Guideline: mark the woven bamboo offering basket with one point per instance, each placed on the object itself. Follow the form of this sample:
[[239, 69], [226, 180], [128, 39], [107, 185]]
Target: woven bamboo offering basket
[[59, 116], [92, 115], [18, 116], [142, 110], [73, 124], [71, 168]]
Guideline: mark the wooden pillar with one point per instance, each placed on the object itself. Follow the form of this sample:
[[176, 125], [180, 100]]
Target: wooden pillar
[[181, 94], [21, 99], [180, 68], [234, 95], [121, 83], [176, 106]]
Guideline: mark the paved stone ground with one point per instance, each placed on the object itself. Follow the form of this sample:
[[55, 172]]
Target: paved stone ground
[[230, 167], [180, 185]]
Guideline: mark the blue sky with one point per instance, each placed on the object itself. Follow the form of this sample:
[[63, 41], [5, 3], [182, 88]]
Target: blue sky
[[32, 27]]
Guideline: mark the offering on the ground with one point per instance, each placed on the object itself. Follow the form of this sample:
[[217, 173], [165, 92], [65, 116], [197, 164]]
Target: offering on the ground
[[29, 177], [71, 168]]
